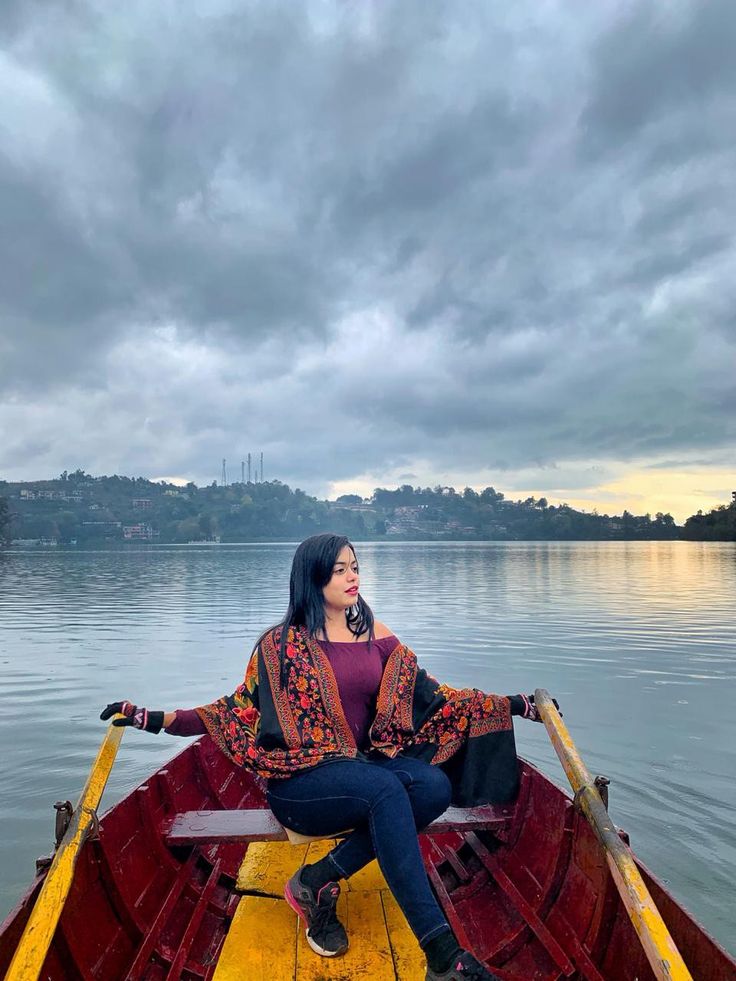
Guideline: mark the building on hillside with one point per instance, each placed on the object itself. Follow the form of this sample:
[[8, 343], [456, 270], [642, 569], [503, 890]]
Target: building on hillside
[[410, 520], [141, 532], [29, 494], [108, 529], [142, 503]]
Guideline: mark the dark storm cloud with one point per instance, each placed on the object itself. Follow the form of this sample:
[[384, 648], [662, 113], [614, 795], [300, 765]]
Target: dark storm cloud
[[366, 237], [657, 61]]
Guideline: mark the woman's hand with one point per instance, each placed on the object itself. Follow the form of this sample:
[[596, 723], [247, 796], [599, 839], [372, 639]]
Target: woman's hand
[[524, 706], [139, 718]]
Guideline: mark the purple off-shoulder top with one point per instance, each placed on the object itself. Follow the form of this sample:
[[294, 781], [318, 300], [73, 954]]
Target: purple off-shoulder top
[[358, 666]]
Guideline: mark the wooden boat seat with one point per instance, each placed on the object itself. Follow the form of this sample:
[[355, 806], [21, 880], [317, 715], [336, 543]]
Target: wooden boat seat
[[259, 824]]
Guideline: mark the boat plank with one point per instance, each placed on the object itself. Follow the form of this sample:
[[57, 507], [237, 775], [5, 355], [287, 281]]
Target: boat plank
[[245, 954], [179, 962], [526, 908], [259, 824], [267, 866], [151, 938], [409, 962], [448, 907]]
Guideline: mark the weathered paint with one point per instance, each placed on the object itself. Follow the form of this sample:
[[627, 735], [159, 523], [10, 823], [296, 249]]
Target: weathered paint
[[409, 961], [34, 944], [662, 954], [261, 942], [267, 866]]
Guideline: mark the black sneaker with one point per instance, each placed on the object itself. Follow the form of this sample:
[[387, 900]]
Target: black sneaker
[[325, 933], [464, 967]]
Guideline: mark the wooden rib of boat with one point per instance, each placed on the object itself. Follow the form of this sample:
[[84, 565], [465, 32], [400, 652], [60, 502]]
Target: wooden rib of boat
[[531, 894]]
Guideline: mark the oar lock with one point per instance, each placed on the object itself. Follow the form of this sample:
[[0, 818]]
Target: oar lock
[[64, 813], [601, 784]]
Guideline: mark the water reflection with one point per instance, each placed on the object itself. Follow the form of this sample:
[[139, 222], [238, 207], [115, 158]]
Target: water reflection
[[636, 639]]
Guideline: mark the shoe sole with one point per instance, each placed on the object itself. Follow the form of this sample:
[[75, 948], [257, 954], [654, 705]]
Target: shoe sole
[[293, 902]]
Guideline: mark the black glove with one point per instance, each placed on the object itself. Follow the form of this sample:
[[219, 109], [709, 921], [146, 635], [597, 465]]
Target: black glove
[[524, 706], [139, 718]]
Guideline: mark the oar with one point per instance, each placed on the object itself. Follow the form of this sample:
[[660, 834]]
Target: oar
[[659, 946], [38, 934]]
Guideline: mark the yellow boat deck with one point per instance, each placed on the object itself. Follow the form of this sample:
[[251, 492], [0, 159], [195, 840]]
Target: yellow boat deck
[[266, 939]]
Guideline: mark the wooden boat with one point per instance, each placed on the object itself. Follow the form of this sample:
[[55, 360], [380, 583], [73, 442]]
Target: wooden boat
[[155, 897]]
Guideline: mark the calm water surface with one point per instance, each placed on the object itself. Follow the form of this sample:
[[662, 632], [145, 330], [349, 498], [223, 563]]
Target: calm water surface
[[637, 640]]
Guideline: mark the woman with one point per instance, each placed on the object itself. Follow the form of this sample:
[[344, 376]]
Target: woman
[[350, 734]]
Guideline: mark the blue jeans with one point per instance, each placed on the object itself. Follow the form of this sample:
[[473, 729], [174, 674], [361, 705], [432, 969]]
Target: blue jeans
[[387, 802]]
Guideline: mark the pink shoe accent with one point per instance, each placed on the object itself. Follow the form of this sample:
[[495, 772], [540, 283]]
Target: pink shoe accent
[[334, 890], [290, 899]]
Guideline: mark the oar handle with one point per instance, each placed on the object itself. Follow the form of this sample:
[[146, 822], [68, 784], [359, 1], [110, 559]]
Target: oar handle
[[662, 954]]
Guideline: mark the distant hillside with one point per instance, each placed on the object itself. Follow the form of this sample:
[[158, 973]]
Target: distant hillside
[[4, 522], [78, 509], [719, 525]]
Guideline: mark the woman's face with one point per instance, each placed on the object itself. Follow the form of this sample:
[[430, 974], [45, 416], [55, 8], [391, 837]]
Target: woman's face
[[341, 591]]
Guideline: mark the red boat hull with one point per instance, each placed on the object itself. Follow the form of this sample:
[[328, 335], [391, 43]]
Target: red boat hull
[[535, 900]]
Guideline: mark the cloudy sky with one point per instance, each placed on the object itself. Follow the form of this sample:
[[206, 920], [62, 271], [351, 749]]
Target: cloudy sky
[[382, 242]]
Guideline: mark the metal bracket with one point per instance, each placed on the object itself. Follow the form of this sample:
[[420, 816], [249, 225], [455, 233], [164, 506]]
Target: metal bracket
[[93, 832], [43, 862]]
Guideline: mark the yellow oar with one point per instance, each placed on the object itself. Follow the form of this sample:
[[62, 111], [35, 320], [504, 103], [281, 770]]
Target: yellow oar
[[38, 934], [663, 956]]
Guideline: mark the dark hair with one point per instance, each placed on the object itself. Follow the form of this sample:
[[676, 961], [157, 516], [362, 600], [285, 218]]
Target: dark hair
[[311, 570]]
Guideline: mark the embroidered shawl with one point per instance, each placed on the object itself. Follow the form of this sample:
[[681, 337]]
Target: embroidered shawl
[[277, 731]]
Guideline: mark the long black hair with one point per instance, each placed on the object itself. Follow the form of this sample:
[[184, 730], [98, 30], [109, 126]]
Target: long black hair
[[311, 570]]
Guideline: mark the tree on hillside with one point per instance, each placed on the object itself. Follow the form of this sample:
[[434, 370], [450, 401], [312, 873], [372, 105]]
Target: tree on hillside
[[719, 525]]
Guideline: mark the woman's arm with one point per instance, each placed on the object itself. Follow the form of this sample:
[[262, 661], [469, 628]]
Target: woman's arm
[[184, 722], [181, 722]]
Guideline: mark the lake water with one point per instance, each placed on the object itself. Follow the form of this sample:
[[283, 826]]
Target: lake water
[[636, 639]]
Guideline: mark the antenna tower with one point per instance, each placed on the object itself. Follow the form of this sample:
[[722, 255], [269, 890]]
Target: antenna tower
[[261, 467], [242, 471], [249, 468], [224, 473]]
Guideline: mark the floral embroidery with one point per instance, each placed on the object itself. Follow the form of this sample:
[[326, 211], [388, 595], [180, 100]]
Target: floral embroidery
[[311, 720]]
